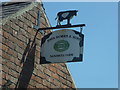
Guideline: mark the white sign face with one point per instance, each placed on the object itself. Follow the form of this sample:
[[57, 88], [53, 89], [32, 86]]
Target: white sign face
[[62, 46]]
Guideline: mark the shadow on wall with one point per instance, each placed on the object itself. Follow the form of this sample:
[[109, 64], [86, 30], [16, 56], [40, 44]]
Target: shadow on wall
[[28, 65]]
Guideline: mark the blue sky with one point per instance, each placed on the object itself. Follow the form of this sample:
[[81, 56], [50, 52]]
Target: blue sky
[[100, 66]]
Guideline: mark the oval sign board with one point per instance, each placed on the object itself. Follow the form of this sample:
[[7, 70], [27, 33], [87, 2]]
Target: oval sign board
[[62, 46]]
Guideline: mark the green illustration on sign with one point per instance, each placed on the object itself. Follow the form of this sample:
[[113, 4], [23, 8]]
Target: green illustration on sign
[[61, 45]]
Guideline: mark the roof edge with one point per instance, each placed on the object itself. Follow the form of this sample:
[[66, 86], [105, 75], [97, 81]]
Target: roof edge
[[10, 3], [47, 19], [71, 76], [23, 10], [19, 13]]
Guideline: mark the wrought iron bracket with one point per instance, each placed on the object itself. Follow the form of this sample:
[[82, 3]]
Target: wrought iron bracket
[[63, 26], [38, 23]]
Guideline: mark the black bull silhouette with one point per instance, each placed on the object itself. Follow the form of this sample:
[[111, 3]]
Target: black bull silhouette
[[66, 15]]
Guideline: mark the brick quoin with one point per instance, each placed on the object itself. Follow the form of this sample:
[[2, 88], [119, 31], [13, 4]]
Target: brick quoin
[[21, 54]]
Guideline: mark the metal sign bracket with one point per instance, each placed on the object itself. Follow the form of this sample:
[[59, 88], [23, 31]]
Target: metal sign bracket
[[63, 26], [38, 23]]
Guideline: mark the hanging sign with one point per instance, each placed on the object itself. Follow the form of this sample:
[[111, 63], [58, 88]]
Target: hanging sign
[[62, 46]]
